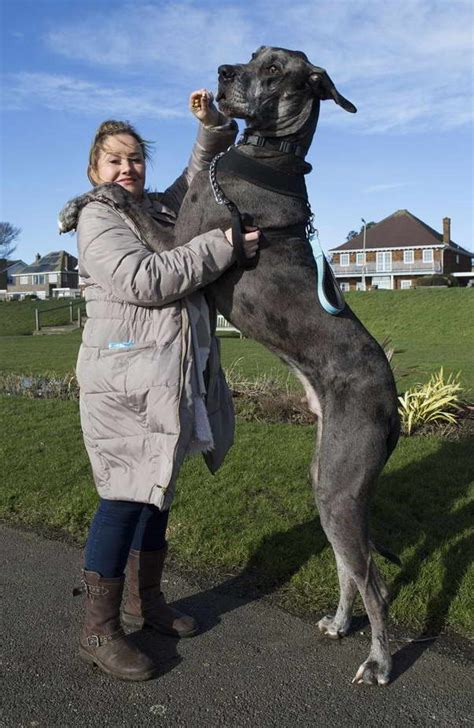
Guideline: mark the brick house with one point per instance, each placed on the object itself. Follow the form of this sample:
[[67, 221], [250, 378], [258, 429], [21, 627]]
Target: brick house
[[7, 268], [53, 275], [398, 250]]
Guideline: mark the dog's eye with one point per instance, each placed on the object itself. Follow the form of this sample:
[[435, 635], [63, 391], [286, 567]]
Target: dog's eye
[[273, 69]]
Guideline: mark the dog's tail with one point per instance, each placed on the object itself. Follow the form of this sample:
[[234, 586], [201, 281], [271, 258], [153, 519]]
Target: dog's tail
[[386, 553]]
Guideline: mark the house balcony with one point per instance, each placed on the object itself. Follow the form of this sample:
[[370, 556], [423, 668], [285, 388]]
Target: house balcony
[[395, 268]]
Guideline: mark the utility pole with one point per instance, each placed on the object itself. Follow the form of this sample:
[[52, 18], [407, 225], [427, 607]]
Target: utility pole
[[363, 254]]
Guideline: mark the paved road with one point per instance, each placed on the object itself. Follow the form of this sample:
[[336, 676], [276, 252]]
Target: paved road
[[254, 665]]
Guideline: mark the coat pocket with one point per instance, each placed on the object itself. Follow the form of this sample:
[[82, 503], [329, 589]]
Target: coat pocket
[[105, 370]]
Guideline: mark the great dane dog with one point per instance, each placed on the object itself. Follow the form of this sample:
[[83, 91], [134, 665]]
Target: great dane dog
[[348, 381]]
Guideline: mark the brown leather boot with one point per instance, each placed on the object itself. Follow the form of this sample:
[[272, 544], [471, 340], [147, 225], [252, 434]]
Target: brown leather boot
[[103, 641], [146, 603]]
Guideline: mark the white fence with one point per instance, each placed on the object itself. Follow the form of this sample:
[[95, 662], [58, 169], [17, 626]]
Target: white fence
[[224, 325]]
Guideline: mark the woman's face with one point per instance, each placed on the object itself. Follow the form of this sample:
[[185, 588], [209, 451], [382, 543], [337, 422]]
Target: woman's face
[[121, 161]]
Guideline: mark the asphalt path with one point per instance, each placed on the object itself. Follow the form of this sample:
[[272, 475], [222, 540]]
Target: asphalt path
[[253, 664]]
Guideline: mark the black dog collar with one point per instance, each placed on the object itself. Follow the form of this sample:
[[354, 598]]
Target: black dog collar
[[273, 143]]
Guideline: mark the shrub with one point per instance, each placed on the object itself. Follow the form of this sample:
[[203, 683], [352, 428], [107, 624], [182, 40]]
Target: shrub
[[437, 280], [436, 401], [39, 386], [266, 398]]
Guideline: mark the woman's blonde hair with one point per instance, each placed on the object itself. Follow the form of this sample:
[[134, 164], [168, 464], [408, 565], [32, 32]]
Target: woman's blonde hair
[[110, 128]]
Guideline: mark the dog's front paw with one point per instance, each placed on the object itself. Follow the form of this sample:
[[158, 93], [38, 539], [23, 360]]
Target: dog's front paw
[[372, 672]]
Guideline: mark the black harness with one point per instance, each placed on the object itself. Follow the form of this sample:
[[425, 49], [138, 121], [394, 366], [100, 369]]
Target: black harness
[[290, 185], [261, 175]]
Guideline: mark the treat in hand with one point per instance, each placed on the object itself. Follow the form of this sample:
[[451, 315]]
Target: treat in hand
[[201, 104]]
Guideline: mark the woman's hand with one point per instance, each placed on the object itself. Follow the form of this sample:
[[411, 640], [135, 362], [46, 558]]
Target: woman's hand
[[201, 104], [251, 240]]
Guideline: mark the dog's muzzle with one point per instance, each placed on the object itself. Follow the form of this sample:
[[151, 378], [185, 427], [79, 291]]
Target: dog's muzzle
[[226, 75]]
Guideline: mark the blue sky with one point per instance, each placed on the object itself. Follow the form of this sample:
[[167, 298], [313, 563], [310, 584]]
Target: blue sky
[[406, 64]]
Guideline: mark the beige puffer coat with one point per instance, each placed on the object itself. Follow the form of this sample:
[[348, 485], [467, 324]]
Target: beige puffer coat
[[138, 366]]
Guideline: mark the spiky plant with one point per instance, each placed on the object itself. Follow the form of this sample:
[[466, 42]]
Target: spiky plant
[[438, 400]]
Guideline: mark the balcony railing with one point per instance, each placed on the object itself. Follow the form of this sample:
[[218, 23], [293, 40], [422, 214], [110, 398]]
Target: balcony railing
[[396, 267]]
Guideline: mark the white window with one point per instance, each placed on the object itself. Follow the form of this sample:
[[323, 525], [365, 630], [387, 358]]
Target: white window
[[23, 280], [360, 258], [38, 280], [428, 256], [405, 284], [345, 286], [408, 256], [53, 277], [384, 261], [382, 282], [345, 259]]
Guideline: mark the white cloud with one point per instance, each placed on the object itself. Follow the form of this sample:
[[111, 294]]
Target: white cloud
[[182, 37], [66, 93], [385, 187], [406, 64]]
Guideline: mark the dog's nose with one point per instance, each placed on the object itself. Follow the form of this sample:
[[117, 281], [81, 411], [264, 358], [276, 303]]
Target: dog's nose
[[226, 73]]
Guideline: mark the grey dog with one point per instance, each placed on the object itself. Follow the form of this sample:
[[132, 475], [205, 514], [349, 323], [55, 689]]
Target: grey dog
[[348, 382]]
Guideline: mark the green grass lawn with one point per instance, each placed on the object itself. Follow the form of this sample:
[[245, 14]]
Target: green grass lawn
[[17, 318], [428, 328], [256, 515]]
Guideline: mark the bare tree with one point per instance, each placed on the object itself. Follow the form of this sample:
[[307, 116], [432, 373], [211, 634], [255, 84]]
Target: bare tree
[[353, 233], [8, 234]]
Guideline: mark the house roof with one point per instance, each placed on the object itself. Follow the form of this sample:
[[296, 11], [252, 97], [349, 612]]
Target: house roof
[[11, 265], [57, 261], [399, 230]]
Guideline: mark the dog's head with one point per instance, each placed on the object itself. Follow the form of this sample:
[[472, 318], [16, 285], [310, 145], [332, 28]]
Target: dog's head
[[276, 91]]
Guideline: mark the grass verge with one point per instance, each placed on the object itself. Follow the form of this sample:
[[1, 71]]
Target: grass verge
[[17, 318], [256, 516], [428, 329]]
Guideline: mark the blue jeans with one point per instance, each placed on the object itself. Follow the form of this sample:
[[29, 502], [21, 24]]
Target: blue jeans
[[117, 527]]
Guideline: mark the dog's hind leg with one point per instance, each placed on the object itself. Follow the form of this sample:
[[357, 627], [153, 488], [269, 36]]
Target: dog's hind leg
[[343, 474], [338, 625]]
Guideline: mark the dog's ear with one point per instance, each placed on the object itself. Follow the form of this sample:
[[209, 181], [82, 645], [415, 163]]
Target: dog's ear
[[324, 88], [259, 50]]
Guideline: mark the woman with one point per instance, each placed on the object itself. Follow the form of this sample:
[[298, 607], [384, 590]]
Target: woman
[[152, 389]]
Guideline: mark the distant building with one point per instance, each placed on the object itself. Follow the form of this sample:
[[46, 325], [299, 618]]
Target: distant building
[[398, 250], [53, 275], [7, 268]]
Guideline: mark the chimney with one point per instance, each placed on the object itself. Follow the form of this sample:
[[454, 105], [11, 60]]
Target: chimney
[[37, 258], [446, 230]]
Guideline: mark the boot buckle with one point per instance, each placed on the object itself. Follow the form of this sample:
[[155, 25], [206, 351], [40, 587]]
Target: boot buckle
[[94, 640]]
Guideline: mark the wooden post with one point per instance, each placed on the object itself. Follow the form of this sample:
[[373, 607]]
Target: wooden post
[[71, 314], [37, 317], [79, 322]]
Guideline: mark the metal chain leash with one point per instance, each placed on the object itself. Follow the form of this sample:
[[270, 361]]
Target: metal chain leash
[[219, 196], [310, 229], [221, 199]]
